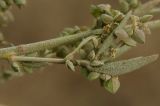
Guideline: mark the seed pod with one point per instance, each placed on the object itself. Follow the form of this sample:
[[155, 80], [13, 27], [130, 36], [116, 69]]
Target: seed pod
[[93, 75], [112, 85], [106, 18], [133, 3], [139, 36], [124, 6], [20, 2], [97, 63], [70, 65], [146, 18], [91, 55]]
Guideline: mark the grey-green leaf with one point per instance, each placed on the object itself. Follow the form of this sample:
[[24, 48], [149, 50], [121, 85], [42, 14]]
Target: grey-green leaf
[[125, 66]]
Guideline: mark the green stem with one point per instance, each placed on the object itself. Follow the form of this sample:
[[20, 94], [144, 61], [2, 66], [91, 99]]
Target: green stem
[[36, 59]]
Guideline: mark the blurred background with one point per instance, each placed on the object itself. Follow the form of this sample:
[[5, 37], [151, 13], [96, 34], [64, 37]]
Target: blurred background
[[57, 86]]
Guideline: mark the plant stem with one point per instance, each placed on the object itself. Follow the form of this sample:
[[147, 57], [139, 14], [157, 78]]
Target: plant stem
[[37, 59]]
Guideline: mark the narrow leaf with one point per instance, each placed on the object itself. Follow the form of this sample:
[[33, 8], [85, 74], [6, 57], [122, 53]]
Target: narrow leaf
[[125, 66]]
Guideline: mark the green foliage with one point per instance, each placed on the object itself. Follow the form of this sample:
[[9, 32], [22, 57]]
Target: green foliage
[[93, 49]]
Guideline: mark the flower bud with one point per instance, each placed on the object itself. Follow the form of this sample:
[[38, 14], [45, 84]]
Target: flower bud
[[70, 65], [124, 6], [121, 34], [105, 7], [139, 36], [93, 75], [106, 18], [118, 17], [146, 18], [95, 11], [133, 3], [112, 85], [84, 72]]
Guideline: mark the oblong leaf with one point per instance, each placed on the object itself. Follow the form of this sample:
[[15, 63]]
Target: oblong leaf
[[125, 66]]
